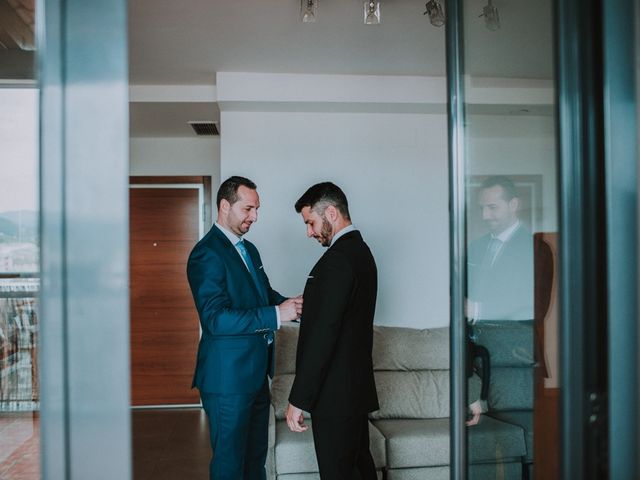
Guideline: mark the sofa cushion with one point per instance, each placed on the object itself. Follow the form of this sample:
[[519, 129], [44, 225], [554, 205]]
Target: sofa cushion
[[416, 443], [523, 420], [401, 394], [425, 443], [286, 343], [419, 394], [510, 343], [396, 348], [420, 473], [295, 452], [512, 470], [308, 476], [280, 389], [511, 389], [494, 441]]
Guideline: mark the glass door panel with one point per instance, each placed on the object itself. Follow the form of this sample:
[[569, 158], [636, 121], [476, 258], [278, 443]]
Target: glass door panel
[[510, 245]]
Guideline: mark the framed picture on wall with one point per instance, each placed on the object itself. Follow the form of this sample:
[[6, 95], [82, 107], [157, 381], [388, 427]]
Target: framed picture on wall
[[529, 189]]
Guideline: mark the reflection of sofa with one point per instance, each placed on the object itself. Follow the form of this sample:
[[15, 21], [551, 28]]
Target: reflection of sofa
[[410, 432], [510, 344]]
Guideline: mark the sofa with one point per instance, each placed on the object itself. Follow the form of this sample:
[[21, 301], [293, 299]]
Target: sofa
[[409, 435]]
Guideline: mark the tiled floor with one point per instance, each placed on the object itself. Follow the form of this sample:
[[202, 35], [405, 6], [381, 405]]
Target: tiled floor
[[19, 446], [167, 445]]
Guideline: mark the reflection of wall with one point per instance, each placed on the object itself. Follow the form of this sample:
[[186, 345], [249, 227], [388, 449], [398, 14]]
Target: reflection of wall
[[517, 145], [393, 168], [530, 203]]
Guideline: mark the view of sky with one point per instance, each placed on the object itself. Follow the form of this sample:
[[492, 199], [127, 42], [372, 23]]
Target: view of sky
[[18, 149]]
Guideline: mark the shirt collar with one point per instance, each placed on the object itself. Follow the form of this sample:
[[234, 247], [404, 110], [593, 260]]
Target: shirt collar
[[508, 233], [345, 230], [233, 238]]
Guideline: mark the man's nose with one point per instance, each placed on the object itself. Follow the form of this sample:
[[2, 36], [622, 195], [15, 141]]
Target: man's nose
[[253, 216], [309, 231]]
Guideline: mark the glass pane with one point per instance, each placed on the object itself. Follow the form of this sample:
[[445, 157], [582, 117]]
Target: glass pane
[[512, 232], [19, 284]]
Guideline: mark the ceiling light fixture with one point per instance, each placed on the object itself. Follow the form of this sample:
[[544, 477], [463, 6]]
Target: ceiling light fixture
[[371, 12], [308, 10], [491, 17], [435, 12]]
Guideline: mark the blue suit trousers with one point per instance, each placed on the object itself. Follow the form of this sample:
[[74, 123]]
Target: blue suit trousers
[[238, 428]]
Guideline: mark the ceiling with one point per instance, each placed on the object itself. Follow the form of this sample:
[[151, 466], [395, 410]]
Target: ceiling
[[187, 43], [17, 39]]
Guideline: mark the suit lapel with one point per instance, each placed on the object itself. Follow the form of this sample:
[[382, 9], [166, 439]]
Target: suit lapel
[[261, 287], [234, 256]]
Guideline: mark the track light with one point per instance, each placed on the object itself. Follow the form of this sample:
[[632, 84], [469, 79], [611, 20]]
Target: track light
[[491, 17], [308, 10], [371, 12], [435, 12]]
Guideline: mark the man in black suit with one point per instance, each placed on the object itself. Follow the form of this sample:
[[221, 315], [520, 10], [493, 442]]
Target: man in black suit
[[500, 263], [334, 369], [500, 273]]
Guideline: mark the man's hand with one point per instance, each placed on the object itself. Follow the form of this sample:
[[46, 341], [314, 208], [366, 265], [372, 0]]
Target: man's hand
[[290, 309], [295, 419], [477, 408]]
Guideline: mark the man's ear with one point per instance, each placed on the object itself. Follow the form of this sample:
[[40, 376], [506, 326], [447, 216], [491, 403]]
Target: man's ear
[[514, 204], [331, 213], [225, 206]]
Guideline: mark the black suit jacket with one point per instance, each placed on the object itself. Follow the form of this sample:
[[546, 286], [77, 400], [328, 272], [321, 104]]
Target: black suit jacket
[[334, 368], [504, 290]]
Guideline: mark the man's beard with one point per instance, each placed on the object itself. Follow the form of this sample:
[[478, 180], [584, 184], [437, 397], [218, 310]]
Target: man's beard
[[325, 236]]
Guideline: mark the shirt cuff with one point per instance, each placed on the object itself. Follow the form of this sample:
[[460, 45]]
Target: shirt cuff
[[277, 317]]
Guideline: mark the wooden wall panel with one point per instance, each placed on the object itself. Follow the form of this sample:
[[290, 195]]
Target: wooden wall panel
[[164, 227]]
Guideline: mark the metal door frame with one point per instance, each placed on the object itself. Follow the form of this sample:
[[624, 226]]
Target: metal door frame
[[84, 173]]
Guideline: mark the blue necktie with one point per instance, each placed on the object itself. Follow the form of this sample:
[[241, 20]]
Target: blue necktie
[[247, 260]]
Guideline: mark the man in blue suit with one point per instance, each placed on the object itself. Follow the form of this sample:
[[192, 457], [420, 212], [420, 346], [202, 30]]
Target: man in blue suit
[[239, 312]]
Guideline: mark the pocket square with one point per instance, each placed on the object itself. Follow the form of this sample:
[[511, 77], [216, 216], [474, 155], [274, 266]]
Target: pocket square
[[309, 277]]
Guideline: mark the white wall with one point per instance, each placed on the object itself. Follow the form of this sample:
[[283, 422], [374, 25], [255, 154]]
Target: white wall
[[175, 156], [517, 145], [384, 141], [393, 168]]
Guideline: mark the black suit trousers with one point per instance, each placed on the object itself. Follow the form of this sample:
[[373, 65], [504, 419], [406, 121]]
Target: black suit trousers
[[342, 448]]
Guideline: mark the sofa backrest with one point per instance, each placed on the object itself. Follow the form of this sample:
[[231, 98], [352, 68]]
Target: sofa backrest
[[412, 372], [411, 369]]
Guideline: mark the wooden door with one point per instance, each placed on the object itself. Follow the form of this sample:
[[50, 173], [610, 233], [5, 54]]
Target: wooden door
[[164, 227]]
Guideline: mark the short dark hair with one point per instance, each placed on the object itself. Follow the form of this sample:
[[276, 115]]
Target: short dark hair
[[229, 189], [321, 195], [509, 188]]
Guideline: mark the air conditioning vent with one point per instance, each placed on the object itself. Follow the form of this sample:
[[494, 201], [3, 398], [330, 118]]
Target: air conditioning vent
[[204, 128]]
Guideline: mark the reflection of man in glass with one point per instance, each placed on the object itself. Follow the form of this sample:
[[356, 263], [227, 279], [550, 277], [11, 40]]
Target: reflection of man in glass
[[500, 263]]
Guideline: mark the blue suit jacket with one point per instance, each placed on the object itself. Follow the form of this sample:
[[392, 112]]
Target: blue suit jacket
[[237, 317]]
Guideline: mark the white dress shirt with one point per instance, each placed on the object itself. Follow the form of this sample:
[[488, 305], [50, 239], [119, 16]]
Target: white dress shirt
[[347, 229]]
